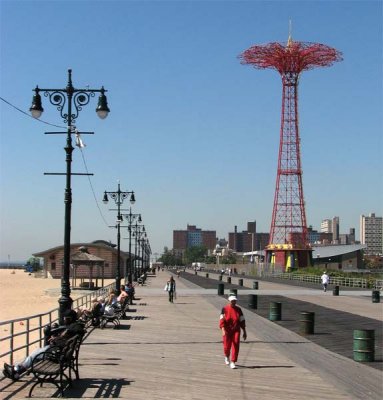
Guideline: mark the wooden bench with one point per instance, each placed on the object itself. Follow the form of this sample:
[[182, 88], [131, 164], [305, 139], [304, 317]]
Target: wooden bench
[[55, 365], [119, 313]]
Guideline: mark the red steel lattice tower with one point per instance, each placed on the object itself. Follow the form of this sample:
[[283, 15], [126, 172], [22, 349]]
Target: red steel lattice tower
[[288, 244]]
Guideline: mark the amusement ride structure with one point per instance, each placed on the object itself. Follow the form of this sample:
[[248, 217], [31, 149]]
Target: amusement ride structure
[[289, 245]]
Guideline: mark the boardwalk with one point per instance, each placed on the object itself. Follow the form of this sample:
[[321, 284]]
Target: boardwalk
[[174, 351]]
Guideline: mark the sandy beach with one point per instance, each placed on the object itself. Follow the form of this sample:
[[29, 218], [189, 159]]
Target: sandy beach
[[23, 295]]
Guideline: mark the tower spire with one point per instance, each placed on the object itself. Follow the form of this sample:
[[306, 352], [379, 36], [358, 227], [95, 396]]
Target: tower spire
[[290, 39]]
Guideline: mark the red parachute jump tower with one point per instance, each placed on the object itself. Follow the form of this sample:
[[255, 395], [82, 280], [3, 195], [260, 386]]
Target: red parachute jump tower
[[288, 244]]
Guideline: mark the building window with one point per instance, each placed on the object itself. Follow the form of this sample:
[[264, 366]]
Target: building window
[[53, 266]]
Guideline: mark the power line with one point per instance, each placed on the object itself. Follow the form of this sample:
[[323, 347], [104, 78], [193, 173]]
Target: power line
[[30, 116], [82, 154], [92, 189]]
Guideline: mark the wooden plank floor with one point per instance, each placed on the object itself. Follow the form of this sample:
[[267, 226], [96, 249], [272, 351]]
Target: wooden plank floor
[[333, 328], [174, 351]]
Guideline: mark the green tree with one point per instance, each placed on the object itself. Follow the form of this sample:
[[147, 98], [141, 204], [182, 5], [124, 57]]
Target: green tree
[[229, 259], [169, 258], [34, 262], [195, 254]]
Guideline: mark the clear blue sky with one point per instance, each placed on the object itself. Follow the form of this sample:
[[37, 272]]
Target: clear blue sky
[[193, 132]]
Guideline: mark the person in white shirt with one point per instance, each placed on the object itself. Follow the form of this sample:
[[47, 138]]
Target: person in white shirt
[[325, 280]]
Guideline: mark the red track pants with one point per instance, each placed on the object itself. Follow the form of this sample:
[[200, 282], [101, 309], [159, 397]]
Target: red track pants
[[231, 345]]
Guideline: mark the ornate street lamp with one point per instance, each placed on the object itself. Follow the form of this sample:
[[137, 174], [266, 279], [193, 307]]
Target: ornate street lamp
[[130, 218], [118, 196], [74, 100], [138, 232]]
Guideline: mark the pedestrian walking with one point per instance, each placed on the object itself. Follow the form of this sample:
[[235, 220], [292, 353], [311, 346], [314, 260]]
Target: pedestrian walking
[[325, 280], [231, 322], [170, 287]]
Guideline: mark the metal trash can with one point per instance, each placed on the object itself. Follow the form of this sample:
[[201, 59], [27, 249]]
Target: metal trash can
[[364, 345], [253, 301], [275, 311], [220, 277], [255, 285], [376, 296], [240, 282], [207, 275], [307, 322], [229, 279], [335, 291], [221, 289]]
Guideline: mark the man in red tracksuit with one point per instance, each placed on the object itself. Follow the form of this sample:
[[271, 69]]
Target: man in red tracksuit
[[231, 321]]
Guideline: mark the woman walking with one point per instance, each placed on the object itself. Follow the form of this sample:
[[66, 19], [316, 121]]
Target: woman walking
[[170, 287]]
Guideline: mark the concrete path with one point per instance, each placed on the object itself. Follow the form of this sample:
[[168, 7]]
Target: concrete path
[[174, 351]]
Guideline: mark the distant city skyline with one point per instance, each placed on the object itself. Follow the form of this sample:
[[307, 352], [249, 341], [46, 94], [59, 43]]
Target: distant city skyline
[[192, 131]]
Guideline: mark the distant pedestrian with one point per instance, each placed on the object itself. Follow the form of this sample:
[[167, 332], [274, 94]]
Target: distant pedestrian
[[170, 287], [231, 322], [325, 280]]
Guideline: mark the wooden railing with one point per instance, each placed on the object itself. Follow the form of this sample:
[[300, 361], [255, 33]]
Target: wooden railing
[[19, 337]]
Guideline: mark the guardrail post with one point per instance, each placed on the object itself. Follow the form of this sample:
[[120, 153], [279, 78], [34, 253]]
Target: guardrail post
[[275, 311], [307, 322], [376, 296], [253, 301], [364, 345]]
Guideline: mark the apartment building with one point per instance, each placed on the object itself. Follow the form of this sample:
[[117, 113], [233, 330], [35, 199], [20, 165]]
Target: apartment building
[[371, 234], [193, 236]]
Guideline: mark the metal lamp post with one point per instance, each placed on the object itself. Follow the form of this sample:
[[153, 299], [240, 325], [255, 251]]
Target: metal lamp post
[[74, 100], [118, 196], [252, 247], [130, 219], [139, 230]]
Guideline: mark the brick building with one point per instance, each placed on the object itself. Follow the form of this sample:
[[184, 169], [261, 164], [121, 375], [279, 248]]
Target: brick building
[[54, 257], [248, 240], [193, 236]]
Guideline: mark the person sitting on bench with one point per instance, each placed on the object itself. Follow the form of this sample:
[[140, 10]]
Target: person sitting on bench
[[72, 328]]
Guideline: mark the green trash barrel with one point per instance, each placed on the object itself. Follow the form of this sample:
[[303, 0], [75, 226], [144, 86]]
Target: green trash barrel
[[253, 301], [307, 322], [364, 345], [255, 285], [207, 275], [229, 279], [234, 292], [376, 296], [335, 291], [240, 282], [221, 289], [275, 311]]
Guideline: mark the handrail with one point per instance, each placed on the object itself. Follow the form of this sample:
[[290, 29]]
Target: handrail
[[21, 341]]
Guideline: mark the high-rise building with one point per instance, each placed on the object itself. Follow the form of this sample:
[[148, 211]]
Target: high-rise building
[[331, 226], [326, 226], [193, 236], [335, 230], [371, 234]]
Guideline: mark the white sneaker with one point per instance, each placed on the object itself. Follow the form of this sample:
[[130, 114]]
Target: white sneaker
[[227, 362], [232, 365]]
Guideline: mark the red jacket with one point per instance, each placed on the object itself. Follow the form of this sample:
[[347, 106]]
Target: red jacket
[[232, 319]]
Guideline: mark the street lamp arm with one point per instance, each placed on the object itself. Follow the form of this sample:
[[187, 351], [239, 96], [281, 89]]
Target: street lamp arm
[[61, 97]]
